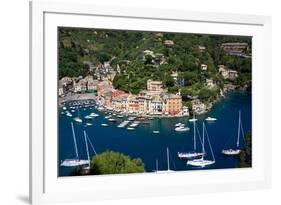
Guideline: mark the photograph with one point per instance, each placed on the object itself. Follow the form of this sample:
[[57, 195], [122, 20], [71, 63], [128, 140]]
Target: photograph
[[152, 101]]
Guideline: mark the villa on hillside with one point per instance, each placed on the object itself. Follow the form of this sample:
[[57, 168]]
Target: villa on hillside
[[227, 73]]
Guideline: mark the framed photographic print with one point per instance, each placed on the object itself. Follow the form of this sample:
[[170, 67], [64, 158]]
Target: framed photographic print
[[127, 103]]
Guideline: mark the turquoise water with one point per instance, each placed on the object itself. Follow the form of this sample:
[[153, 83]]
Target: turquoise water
[[151, 147]]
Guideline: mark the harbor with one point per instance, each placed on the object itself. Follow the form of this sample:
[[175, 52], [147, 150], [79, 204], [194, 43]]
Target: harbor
[[148, 138]]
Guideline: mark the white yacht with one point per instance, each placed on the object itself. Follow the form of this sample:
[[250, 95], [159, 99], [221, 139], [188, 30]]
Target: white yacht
[[194, 153], [182, 128], [75, 161], [202, 162], [237, 150]]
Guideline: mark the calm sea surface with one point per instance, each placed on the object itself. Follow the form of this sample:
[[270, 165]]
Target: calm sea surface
[[150, 147]]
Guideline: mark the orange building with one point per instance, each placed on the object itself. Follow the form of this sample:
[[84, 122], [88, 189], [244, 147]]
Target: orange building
[[172, 104]]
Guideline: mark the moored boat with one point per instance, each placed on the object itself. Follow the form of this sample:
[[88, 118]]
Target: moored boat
[[237, 150], [88, 117], [194, 153], [182, 128], [68, 114], [130, 128], [202, 162], [77, 119], [178, 124], [75, 161], [211, 119]]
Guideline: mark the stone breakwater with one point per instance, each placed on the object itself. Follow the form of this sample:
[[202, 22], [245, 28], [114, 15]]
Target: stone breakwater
[[84, 96]]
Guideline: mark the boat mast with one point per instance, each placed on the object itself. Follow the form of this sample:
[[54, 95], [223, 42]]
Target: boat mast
[[168, 159], [203, 142], [208, 140], [194, 134], [238, 135], [87, 149], [156, 165], [74, 139]]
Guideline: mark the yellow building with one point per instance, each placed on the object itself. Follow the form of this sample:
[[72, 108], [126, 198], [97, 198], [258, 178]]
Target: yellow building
[[172, 104]]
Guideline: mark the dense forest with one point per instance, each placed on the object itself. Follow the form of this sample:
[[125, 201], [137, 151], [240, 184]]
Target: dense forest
[[126, 50]]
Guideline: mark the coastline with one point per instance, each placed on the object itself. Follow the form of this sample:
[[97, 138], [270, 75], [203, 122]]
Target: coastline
[[93, 96]]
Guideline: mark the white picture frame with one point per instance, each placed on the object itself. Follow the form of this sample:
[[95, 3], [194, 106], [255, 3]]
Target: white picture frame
[[46, 187]]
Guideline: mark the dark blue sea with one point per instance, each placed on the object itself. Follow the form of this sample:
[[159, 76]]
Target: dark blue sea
[[150, 147]]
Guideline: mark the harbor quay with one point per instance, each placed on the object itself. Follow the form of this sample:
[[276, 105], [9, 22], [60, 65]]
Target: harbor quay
[[155, 101]]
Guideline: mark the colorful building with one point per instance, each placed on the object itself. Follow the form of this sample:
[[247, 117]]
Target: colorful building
[[154, 86], [172, 104]]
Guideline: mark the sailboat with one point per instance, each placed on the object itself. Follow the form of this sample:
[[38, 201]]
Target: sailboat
[[235, 151], [168, 164], [202, 162], [194, 154], [75, 161]]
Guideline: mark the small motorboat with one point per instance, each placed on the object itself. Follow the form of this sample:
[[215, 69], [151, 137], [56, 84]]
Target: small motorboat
[[94, 114], [77, 119], [156, 132], [88, 117], [111, 120], [100, 108], [68, 114], [104, 125], [130, 128], [108, 116], [211, 119], [192, 120], [182, 128], [231, 151], [190, 155], [135, 124], [88, 124], [178, 124]]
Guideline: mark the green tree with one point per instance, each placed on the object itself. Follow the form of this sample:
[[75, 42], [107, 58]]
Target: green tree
[[110, 162], [246, 154]]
